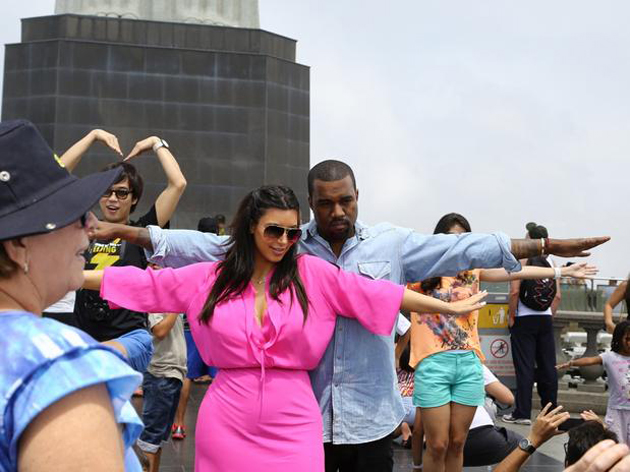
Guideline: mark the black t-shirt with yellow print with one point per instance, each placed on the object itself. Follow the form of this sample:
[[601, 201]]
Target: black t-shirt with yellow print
[[93, 313]]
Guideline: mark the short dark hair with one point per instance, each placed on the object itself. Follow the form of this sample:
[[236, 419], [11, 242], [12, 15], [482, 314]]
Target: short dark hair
[[208, 225], [136, 184], [616, 344], [536, 231], [329, 171], [220, 218], [585, 436]]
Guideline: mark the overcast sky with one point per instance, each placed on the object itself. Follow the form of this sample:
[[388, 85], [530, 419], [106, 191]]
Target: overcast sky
[[506, 112]]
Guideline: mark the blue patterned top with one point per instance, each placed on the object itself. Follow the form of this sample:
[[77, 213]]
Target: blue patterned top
[[42, 362]]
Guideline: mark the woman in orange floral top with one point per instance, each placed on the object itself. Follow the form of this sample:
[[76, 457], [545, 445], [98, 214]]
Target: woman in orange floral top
[[446, 353]]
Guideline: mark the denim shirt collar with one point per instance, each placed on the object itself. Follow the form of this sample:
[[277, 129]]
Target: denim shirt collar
[[310, 230]]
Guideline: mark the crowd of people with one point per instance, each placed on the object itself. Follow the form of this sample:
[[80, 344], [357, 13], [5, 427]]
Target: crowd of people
[[295, 324]]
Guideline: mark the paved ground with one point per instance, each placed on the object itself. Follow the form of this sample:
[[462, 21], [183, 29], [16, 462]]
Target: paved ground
[[179, 455]]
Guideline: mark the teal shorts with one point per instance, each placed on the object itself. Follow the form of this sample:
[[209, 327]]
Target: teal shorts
[[448, 377]]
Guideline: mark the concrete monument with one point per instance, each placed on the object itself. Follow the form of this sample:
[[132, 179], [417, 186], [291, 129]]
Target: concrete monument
[[238, 13], [233, 103]]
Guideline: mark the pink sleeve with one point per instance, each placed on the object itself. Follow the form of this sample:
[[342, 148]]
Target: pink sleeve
[[374, 303], [154, 291]]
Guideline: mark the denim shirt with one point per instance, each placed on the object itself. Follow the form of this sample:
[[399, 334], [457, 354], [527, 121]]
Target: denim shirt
[[355, 382]]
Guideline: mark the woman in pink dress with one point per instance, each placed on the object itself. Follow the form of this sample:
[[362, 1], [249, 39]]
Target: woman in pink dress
[[264, 317]]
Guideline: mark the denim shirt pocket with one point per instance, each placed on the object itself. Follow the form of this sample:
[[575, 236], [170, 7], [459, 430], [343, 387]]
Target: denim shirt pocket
[[375, 269]]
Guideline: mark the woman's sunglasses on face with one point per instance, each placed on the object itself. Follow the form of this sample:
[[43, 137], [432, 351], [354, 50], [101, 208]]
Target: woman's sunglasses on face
[[276, 232], [121, 193]]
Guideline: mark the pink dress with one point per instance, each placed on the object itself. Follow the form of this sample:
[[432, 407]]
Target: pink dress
[[260, 412]]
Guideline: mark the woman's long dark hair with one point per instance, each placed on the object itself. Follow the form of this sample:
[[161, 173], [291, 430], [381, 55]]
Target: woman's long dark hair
[[444, 226], [616, 345], [235, 272]]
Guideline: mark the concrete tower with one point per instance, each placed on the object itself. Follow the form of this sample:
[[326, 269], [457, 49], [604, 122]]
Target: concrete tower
[[232, 102]]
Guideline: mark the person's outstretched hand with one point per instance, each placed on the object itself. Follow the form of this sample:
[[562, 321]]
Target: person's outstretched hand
[[142, 146], [564, 365], [603, 456], [590, 415], [102, 230], [108, 139], [469, 304], [573, 247], [580, 271], [546, 424]]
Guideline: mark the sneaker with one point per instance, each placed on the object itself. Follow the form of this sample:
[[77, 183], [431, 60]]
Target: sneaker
[[179, 432], [510, 419]]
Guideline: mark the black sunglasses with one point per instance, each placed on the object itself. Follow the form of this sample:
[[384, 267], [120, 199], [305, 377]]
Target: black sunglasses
[[276, 232], [121, 193]]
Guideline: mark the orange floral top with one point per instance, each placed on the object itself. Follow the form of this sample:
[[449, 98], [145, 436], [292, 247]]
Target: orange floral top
[[433, 332]]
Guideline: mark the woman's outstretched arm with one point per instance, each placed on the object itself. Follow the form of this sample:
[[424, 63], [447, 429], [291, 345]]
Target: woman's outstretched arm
[[576, 271], [93, 279], [413, 301], [581, 362]]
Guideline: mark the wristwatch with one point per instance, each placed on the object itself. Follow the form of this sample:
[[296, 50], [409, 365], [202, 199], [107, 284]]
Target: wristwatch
[[526, 445], [159, 144]]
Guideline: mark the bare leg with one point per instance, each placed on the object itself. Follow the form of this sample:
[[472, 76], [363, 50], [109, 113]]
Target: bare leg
[[436, 422], [461, 417], [417, 439], [405, 430], [183, 402], [154, 460]]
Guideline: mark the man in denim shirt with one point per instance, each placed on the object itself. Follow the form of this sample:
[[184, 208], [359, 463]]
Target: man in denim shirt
[[355, 383]]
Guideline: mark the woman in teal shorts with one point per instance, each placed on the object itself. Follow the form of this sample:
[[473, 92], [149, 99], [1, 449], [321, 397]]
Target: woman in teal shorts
[[446, 353]]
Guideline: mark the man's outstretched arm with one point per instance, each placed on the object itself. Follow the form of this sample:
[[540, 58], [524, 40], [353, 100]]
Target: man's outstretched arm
[[526, 248], [168, 248], [425, 256], [135, 235]]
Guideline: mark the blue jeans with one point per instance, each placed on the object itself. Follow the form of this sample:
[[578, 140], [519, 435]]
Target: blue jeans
[[161, 397]]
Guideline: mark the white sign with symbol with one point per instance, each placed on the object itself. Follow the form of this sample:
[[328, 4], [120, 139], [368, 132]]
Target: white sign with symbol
[[498, 353]]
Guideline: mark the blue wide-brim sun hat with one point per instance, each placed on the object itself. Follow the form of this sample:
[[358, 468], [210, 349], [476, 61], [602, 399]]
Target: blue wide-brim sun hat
[[37, 194]]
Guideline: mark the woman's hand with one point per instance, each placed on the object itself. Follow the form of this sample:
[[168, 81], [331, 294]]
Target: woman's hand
[[580, 271], [108, 139], [610, 327], [142, 146], [467, 305], [564, 365]]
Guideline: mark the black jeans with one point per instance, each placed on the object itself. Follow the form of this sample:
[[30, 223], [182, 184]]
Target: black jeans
[[534, 354], [488, 445], [375, 456]]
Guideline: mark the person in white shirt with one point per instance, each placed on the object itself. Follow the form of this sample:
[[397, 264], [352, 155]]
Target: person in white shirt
[[486, 443], [532, 305]]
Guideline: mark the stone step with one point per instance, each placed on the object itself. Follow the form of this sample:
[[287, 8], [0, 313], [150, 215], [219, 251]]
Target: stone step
[[576, 401]]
